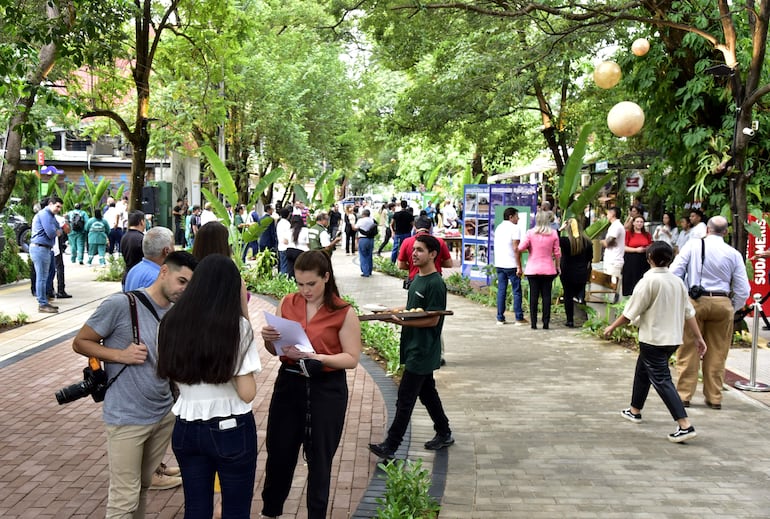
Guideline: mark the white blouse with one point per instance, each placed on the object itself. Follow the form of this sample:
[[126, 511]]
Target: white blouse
[[206, 401]]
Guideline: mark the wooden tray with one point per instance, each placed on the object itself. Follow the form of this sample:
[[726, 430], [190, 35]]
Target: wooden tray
[[386, 316]]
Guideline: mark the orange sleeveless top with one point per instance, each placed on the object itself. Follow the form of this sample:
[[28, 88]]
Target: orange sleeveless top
[[323, 330]]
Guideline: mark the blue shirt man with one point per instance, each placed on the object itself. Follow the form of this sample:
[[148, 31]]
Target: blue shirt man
[[45, 229]]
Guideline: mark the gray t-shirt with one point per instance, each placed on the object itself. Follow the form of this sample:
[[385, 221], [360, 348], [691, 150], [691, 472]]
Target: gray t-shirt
[[138, 396]]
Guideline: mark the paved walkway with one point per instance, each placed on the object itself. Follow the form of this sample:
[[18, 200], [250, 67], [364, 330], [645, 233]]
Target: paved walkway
[[535, 414]]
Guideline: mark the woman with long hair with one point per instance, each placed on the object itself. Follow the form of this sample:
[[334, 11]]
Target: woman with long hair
[[298, 241], [212, 238], [576, 255], [635, 259], [542, 266], [667, 230], [311, 393], [207, 347]]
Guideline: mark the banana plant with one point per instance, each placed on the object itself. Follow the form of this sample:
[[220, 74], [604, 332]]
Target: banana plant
[[226, 186]]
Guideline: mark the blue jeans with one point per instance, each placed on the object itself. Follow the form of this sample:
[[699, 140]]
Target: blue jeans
[[365, 253], [41, 259], [503, 277], [202, 449], [397, 239], [283, 262]]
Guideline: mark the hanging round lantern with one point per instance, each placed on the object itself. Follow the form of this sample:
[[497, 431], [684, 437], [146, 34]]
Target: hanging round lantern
[[640, 47], [607, 74], [625, 119]]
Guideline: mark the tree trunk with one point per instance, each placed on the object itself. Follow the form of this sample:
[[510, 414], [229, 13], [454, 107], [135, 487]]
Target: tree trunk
[[23, 106]]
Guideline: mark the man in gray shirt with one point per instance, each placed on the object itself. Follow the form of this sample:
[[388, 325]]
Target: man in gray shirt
[[137, 406]]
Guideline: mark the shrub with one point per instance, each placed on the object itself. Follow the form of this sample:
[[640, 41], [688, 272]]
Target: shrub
[[406, 492], [114, 269], [12, 266]]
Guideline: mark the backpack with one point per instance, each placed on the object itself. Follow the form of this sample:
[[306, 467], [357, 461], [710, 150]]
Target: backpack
[[98, 226], [371, 233], [78, 225]]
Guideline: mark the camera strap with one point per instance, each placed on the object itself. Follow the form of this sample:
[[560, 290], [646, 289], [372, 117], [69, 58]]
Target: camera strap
[[702, 259]]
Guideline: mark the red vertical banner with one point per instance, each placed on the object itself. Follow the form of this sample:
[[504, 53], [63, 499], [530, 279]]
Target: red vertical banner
[[759, 281], [41, 157]]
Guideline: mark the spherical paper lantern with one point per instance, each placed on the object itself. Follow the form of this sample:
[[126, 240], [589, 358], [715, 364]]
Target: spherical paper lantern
[[625, 119], [640, 47], [607, 74]]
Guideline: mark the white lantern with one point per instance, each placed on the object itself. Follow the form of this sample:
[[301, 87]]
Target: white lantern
[[607, 74], [625, 119], [640, 47]]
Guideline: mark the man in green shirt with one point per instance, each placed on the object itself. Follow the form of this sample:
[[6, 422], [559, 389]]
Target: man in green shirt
[[420, 353], [318, 235]]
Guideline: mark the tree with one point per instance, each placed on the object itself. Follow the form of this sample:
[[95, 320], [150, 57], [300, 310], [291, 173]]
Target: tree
[[738, 33]]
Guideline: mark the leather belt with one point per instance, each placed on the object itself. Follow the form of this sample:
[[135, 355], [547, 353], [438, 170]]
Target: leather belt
[[716, 294], [41, 245]]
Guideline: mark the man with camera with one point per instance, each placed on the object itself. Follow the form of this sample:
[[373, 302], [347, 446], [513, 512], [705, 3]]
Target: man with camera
[[719, 285], [137, 405]]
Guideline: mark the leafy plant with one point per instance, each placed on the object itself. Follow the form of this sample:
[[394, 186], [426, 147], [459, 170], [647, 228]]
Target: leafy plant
[[276, 286], [114, 269], [383, 264], [406, 492], [12, 266], [264, 263], [383, 337], [596, 323]]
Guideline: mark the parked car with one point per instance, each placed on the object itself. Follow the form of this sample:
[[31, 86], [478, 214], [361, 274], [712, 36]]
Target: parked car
[[21, 229]]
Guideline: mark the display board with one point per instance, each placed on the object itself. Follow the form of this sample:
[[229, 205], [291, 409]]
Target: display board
[[483, 207]]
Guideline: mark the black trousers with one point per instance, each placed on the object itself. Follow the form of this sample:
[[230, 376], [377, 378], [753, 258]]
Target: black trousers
[[388, 234], [652, 369], [327, 395], [411, 387], [572, 290], [540, 288]]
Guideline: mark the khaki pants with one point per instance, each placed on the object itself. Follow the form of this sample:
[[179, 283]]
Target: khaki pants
[[715, 320], [134, 452]]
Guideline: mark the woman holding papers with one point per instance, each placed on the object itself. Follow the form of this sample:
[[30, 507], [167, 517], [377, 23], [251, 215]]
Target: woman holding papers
[[310, 394]]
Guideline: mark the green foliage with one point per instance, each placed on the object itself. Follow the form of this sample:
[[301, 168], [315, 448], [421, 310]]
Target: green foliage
[[264, 264], [277, 286], [12, 266], [406, 492], [383, 264], [114, 269], [385, 338], [597, 322]]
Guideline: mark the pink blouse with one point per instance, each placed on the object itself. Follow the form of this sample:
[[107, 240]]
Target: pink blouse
[[543, 249]]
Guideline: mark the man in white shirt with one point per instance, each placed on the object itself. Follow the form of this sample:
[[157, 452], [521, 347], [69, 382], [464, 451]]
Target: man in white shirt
[[207, 215], [449, 215], [614, 248], [283, 232], [508, 264], [698, 229], [719, 270]]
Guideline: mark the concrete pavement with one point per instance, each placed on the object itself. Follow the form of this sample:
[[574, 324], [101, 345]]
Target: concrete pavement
[[535, 414]]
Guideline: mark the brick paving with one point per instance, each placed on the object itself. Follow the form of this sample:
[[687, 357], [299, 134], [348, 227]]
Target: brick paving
[[535, 414]]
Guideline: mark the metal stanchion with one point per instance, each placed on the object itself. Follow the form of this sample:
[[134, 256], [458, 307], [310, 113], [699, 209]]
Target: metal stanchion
[[753, 385]]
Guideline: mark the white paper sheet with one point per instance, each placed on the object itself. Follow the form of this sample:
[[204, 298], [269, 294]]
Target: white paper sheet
[[291, 332]]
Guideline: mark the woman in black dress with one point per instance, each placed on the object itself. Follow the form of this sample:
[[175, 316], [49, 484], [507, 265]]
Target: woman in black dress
[[576, 255]]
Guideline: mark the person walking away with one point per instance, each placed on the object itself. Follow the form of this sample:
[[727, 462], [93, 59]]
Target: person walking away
[[77, 236], [268, 240], [402, 224], [661, 304], [206, 346], [137, 406], [576, 255], [420, 353], [310, 395], [367, 230], [614, 244], [507, 261], [113, 216], [719, 271], [131, 243], [97, 230], [542, 266], [45, 229], [388, 215], [634, 259]]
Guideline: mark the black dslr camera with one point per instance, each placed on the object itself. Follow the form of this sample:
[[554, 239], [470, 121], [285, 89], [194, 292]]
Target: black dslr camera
[[696, 291], [94, 383]]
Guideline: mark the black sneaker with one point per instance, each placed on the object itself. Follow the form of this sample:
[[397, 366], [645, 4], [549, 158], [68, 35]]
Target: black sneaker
[[439, 442], [382, 450], [681, 435], [628, 415], [63, 295]]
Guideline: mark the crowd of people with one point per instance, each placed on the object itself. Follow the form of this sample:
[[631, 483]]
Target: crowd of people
[[181, 354]]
